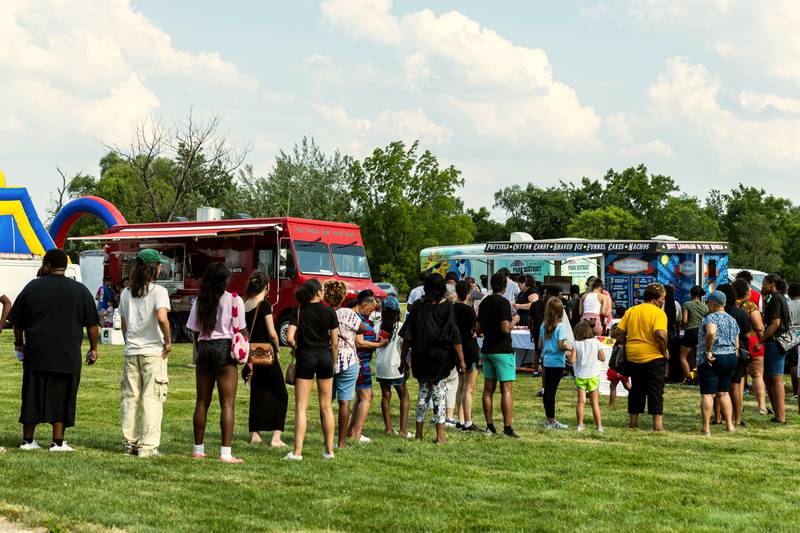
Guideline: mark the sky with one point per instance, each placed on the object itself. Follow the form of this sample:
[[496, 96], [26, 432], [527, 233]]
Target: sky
[[510, 92]]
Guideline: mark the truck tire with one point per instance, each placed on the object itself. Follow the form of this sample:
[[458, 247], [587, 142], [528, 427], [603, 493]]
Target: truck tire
[[283, 328]]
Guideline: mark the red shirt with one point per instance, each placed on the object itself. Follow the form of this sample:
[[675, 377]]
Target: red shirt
[[755, 297]]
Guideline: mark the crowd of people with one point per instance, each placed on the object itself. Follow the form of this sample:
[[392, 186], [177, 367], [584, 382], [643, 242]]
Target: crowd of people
[[451, 328]]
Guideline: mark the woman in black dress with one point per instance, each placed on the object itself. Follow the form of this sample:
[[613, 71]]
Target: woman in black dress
[[268, 396], [466, 321]]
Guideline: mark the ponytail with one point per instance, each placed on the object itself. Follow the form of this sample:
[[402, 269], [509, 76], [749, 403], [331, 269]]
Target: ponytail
[[307, 291]]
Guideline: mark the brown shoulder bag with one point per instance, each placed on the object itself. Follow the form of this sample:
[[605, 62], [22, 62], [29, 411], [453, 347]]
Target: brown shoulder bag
[[261, 353]]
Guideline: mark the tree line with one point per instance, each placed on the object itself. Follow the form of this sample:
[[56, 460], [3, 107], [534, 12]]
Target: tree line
[[404, 200]]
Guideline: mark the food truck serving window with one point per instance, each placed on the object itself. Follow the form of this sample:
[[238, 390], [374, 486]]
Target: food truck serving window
[[350, 260], [313, 257]]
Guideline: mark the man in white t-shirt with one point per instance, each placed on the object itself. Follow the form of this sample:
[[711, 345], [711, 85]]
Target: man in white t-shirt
[[143, 308], [512, 288]]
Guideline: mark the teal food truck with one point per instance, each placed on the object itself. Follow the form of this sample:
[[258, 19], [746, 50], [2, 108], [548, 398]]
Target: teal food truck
[[626, 266]]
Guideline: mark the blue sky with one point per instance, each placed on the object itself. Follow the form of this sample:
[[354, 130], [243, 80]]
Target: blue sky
[[507, 91]]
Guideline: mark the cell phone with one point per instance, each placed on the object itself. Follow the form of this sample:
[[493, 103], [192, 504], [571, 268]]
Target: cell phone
[[20, 355]]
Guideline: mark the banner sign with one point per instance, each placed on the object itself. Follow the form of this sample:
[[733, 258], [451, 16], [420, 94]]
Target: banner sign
[[617, 247]]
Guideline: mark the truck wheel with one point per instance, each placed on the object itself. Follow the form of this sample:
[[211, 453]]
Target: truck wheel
[[283, 330]]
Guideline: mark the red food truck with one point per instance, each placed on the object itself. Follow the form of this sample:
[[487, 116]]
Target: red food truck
[[289, 250]]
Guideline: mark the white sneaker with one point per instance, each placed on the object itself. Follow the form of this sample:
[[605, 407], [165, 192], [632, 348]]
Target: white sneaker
[[410, 435], [292, 457], [30, 446], [581, 427], [546, 425], [449, 423], [63, 448], [328, 456], [601, 429], [558, 425], [364, 439]]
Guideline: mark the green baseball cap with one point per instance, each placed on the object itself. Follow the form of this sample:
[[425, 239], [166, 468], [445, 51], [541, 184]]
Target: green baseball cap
[[149, 256]]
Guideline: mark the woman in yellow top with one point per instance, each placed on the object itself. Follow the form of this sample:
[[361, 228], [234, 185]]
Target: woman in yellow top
[[643, 330]]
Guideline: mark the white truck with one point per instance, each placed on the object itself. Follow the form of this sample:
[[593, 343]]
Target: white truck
[[16, 270]]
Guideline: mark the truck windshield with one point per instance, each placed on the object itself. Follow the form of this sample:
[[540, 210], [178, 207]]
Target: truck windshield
[[313, 258], [350, 261]]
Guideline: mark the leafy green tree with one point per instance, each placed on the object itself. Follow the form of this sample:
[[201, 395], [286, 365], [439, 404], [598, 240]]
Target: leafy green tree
[[486, 228], [544, 213], [605, 223], [683, 217], [303, 183], [404, 201], [756, 246]]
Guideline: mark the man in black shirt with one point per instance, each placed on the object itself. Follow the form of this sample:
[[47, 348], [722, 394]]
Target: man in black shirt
[[497, 354], [51, 312], [776, 321]]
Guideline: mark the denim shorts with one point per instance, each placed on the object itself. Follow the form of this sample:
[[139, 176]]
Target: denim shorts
[[774, 359], [344, 384], [215, 354], [717, 376]]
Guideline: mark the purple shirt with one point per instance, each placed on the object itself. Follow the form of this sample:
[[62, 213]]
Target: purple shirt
[[225, 320]]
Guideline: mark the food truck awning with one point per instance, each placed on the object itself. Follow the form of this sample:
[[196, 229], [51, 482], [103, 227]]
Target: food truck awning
[[199, 231], [528, 257], [567, 246]]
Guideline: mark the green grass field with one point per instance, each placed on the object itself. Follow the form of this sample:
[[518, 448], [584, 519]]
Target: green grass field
[[620, 480]]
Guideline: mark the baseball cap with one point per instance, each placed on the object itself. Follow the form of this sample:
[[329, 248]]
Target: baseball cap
[[391, 302], [149, 256], [717, 298]]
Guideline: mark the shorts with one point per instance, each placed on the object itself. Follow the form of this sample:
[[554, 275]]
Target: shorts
[[311, 364], [791, 359], [499, 366], [716, 377], [774, 360], [344, 384], [740, 371], [690, 338], [613, 375], [364, 381], [49, 397], [394, 382], [587, 384], [214, 355]]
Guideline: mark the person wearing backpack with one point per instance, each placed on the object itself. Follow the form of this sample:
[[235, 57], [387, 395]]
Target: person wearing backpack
[[388, 361]]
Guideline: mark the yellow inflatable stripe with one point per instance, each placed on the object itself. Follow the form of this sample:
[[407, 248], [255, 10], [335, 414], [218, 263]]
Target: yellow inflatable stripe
[[15, 209]]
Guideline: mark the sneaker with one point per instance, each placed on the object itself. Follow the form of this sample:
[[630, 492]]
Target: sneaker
[[581, 427], [152, 453], [410, 435], [558, 425], [471, 427], [30, 446], [450, 423], [601, 429], [63, 448], [510, 433], [459, 426], [364, 439], [129, 449], [491, 431], [540, 394], [328, 456], [794, 397], [292, 457], [231, 460], [199, 455]]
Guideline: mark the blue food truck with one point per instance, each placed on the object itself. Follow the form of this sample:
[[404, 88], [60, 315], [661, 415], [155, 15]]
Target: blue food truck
[[626, 266]]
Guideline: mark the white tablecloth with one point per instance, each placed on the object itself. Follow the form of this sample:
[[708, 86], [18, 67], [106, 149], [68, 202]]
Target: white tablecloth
[[520, 339]]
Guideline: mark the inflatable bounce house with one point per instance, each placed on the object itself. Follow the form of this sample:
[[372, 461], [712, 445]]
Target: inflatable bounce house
[[22, 231]]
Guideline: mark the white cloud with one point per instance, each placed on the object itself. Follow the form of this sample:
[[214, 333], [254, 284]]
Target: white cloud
[[758, 102], [687, 94], [652, 149], [86, 67], [364, 134], [502, 89]]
